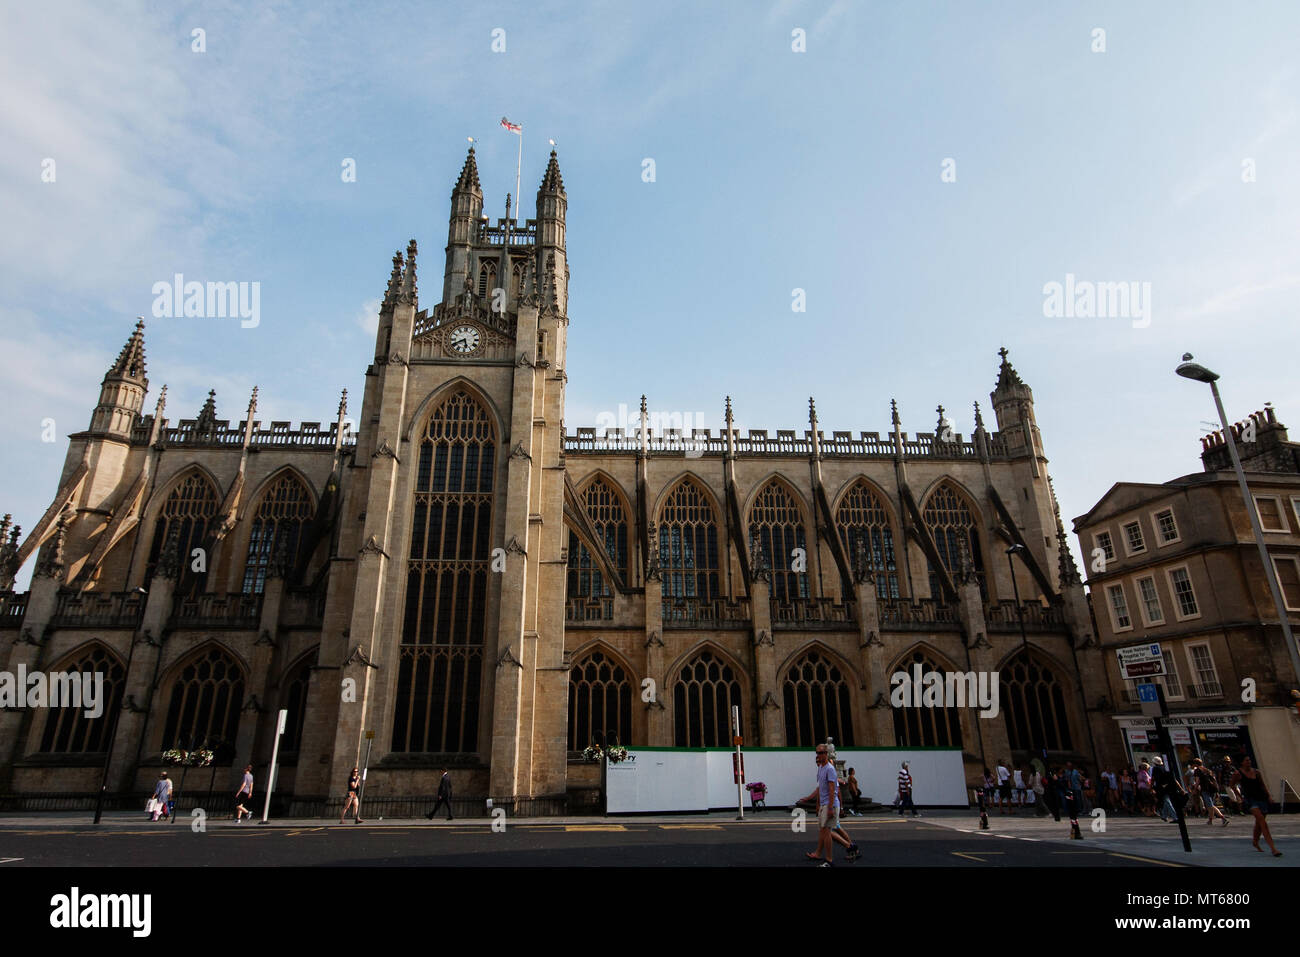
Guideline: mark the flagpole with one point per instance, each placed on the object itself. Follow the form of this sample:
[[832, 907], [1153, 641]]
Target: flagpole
[[518, 165]]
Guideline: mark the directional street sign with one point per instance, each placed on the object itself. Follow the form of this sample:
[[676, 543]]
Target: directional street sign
[[1141, 661]]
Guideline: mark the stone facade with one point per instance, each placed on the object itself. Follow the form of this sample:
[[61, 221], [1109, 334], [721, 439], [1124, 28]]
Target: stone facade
[[620, 586]]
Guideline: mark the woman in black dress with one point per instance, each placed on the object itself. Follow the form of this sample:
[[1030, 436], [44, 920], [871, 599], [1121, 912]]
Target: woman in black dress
[[354, 797], [1254, 794]]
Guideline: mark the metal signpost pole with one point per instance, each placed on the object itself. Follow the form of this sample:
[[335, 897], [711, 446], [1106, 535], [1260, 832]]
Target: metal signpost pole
[[275, 755], [740, 766]]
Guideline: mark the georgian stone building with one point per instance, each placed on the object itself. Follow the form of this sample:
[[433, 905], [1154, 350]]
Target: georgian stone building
[[480, 589], [1177, 563]]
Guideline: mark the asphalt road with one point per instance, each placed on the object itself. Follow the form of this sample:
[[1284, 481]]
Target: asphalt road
[[760, 841]]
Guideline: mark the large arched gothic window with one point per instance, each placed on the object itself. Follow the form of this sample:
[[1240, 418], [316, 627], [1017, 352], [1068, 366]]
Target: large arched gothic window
[[600, 702], [862, 518], [1034, 702], [68, 730], [924, 726], [816, 703], [280, 517], [706, 689], [776, 523], [440, 676], [605, 509], [187, 513], [688, 545], [293, 698], [204, 707], [954, 529]]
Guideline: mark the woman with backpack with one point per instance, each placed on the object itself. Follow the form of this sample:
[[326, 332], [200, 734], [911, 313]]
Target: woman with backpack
[[1209, 788]]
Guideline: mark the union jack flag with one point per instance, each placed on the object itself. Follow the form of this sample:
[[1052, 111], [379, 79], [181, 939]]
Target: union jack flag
[[512, 127]]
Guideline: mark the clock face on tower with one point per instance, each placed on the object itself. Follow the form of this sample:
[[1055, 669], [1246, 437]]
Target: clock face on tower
[[465, 340]]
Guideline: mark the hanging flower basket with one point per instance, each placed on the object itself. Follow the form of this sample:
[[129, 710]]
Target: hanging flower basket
[[200, 758], [174, 756], [592, 753], [616, 754]]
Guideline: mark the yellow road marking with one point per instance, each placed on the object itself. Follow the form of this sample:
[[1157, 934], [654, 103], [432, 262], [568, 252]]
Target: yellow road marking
[[690, 827], [594, 827], [971, 857], [1145, 860]]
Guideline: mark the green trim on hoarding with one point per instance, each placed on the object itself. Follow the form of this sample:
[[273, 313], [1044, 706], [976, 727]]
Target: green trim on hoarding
[[743, 748]]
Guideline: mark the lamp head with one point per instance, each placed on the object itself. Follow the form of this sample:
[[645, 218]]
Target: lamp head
[[1194, 370]]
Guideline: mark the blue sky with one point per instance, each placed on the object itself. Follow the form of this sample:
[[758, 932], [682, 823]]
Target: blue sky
[[775, 170]]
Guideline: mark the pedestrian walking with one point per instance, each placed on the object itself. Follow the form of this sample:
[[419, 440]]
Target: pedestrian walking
[[982, 789], [1166, 788], [905, 791], [162, 794], [444, 796], [854, 792], [245, 793], [1039, 792], [1127, 791], [1071, 801], [1074, 779], [1004, 787], [1254, 794], [1209, 787], [828, 812], [1145, 798], [838, 834], [354, 797], [1052, 792], [1227, 773]]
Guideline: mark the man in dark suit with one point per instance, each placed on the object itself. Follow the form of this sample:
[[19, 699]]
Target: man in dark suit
[[444, 796]]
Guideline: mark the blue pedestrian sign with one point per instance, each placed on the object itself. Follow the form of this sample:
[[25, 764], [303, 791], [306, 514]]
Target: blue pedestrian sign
[[1147, 693]]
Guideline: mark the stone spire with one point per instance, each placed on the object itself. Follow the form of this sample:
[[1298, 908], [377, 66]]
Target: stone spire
[[1013, 404], [726, 418], [207, 420], [815, 443], [409, 293], [552, 181], [1008, 377], [468, 181], [53, 564], [1068, 570], [248, 421], [121, 394], [643, 431], [979, 419], [338, 426], [893, 414], [943, 429], [394, 283], [130, 361]]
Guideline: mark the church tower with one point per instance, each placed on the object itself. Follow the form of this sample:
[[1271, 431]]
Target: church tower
[[444, 621]]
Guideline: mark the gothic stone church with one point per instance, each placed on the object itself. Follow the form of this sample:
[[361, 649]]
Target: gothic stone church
[[488, 593]]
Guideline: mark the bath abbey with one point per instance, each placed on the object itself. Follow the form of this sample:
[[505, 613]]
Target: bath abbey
[[458, 582]]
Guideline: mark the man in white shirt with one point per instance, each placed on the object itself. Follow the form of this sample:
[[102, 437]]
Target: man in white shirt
[[1004, 788]]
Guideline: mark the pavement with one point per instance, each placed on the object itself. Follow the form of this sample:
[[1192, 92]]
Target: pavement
[[1144, 837]]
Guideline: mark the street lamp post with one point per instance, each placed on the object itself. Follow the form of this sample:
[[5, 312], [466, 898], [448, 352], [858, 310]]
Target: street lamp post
[[1020, 612], [1197, 372]]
